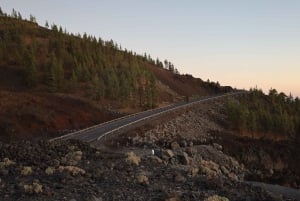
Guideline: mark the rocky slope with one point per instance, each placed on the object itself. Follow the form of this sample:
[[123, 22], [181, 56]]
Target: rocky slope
[[74, 171], [267, 160], [190, 162]]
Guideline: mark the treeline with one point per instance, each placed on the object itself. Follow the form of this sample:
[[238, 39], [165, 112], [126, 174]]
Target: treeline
[[274, 113], [64, 62]]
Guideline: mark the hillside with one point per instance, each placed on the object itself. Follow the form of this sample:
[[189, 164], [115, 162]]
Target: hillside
[[52, 81]]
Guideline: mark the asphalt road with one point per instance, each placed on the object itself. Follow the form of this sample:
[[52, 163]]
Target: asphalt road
[[98, 131], [278, 190]]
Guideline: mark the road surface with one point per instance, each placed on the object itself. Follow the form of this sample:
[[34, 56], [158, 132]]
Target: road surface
[[99, 131], [278, 190]]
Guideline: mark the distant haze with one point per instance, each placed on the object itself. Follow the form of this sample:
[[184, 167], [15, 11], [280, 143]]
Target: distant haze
[[239, 43]]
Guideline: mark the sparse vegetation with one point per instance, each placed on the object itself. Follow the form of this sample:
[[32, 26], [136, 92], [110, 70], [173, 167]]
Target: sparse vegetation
[[7, 162], [194, 171], [132, 158], [73, 170], [143, 179], [216, 198], [27, 170], [50, 170], [33, 188]]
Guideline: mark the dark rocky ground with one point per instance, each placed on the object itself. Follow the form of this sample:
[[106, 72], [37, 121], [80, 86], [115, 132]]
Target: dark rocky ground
[[73, 171], [195, 158]]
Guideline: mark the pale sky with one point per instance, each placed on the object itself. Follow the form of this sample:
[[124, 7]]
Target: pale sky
[[242, 43]]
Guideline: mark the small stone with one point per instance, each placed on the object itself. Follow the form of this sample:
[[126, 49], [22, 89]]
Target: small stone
[[72, 147], [3, 171], [224, 170], [77, 155], [233, 177], [34, 188], [94, 198], [132, 158], [26, 171], [55, 163], [49, 171], [217, 146], [72, 169], [179, 178], [37, 188], [8, 162], [143, 179], [183, 143], [189, 151], [172, 199], [216, 198], [185, 159], [194, 171], [173, 161], [155, 159], [174, 145], [170, 153]]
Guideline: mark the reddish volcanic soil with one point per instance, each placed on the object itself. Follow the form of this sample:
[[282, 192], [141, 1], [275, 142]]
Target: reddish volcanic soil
[[24, 115]]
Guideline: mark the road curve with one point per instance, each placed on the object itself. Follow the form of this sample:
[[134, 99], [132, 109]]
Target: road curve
[[97, 132]]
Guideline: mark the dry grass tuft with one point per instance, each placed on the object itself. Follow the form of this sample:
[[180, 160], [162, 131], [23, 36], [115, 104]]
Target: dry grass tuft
[[26, 171], [216, 198], [34, 188], [50, 171], [142, 179], [132, 158], [72, 169]]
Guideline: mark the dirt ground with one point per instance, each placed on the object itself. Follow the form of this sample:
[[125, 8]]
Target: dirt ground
[[41, 116]]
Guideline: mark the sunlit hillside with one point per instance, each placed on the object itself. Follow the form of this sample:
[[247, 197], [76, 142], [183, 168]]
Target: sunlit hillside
[[43, 63]]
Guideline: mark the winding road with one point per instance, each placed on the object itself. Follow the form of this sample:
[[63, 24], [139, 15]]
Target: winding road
[[97, 132]]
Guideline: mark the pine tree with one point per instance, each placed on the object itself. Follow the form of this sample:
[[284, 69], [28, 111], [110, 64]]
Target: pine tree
[[78, 71], [55, 75], [19, 16], [30, 68], [32, 18], [86, 75], [47, 24], [74, 80], [112, 83], [166, 64], [150, 90], [140, 88], [14, 13], [52, 80], [124, 87], [97, 87], [60, 74], [1, 12]]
